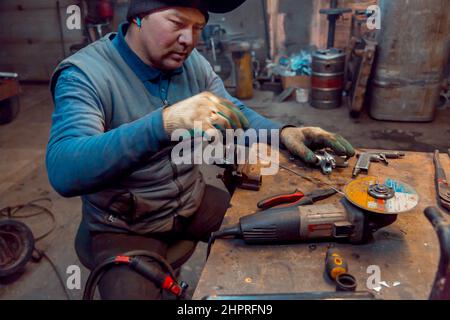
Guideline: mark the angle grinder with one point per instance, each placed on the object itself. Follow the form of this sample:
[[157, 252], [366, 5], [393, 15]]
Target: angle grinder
[[369, 204]]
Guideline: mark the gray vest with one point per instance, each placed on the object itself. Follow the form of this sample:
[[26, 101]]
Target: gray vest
[[148, 199]]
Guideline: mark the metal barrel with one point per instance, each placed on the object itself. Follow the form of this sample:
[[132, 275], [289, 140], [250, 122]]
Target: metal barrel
[[327, 80], [412, 56]]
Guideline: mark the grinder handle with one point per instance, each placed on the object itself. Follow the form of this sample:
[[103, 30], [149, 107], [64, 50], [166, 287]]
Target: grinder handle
[[441, 287]]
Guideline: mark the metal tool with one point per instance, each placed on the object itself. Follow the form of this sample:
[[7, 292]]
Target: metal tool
[[297, 198], [338, 296], [326, 162], [443, 189], [366, 158], [9, 75], [346, 221], [381, 192], [382, 196], [249, 176], [441, 287], [333, 13], [143, 263]]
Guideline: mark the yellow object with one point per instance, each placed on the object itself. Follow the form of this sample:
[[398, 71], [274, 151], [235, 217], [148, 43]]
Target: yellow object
[[337, 271], [244, 74]]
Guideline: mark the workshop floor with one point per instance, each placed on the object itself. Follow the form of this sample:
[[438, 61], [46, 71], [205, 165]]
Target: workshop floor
[[23, 176]]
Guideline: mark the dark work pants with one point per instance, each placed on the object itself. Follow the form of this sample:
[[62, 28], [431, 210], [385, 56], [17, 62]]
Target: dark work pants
[[122, 283]]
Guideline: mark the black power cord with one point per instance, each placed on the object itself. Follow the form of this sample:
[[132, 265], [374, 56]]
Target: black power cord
[[22, 239], [232, 232], [139, 261]]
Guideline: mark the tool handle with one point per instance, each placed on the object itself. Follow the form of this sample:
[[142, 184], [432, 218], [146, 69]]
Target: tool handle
[[441, 287], [440, 173], [335, 264], [280, 199], [393, 155]]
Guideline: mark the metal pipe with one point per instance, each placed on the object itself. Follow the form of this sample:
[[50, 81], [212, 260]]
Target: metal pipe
[[266, 29], [61, 31], [332, 25]]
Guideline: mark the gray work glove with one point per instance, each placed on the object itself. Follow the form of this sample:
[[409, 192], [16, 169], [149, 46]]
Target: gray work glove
[[212, 111], [302, 142]]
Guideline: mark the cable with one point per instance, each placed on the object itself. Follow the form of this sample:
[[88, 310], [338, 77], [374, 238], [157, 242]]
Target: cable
[[42, 254], [133, 259], [231, 231], [13, 213]]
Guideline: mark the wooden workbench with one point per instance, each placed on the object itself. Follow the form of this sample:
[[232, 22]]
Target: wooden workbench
[[406, 252]]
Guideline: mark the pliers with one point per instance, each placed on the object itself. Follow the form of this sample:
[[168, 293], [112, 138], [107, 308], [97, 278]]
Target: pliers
[[297, 198], [443, 189]]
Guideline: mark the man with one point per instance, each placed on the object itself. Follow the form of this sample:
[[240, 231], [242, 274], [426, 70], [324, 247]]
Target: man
[[117, 102]]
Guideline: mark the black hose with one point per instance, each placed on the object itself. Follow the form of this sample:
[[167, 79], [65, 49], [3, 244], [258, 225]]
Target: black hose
[[98, 272]]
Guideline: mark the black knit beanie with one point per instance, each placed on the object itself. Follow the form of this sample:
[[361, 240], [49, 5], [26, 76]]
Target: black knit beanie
[[216, 6]]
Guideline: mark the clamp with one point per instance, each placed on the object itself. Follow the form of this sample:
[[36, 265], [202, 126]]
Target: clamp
[[333, 13]]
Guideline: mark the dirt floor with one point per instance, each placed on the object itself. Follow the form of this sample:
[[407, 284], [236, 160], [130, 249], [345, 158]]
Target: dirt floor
[[24, 178]]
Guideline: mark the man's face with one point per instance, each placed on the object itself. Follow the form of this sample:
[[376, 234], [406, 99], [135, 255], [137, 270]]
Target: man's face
[[168, 37]]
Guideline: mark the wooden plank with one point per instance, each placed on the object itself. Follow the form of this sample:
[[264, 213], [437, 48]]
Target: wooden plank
[[406, 251]]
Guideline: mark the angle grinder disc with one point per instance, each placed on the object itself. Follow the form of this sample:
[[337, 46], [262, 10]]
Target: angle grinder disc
[[394, 196]]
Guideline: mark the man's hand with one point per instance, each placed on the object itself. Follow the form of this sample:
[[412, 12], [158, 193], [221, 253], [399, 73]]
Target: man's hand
[[213, 112], [303, 141]]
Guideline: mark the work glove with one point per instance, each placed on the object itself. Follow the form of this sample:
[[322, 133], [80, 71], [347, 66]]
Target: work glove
[[212, 111], [302, 142]]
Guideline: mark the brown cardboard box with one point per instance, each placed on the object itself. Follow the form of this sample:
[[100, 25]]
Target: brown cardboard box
[[303, 82]]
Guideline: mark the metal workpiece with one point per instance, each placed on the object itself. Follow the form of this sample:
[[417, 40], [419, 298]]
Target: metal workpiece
[[332, 296], [326, 162], [442, 187], [366, 158], [9, 75]]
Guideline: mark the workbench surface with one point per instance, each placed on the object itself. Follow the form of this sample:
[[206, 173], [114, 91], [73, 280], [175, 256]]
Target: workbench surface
[[407, 252]]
